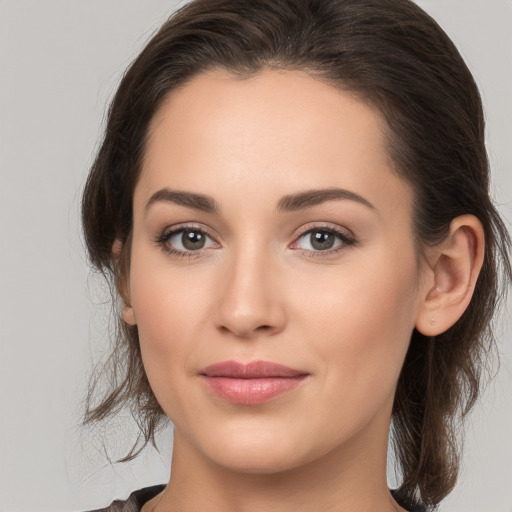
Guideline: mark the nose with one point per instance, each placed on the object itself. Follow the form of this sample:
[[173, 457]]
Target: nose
[[249, 304]]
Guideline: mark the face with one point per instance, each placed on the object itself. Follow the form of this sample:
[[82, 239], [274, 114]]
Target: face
[[273, 279]]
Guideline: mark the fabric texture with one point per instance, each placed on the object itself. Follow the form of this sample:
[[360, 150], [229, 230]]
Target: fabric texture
[[138, 498], [134, 502]]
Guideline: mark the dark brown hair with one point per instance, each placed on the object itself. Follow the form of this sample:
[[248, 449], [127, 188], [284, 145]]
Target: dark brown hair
[[394, 57]]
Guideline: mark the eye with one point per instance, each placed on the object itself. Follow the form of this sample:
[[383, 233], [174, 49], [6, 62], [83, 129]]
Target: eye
[[185, 241], [324, 241]]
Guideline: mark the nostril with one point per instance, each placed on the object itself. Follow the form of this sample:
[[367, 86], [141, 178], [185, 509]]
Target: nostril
[[246, 332]]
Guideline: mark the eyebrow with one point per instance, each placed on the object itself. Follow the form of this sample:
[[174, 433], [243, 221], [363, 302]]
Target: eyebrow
[[288, 203], [189, 199], [310, 198]]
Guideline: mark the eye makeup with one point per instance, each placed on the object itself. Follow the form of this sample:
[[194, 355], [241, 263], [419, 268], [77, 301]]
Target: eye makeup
[[333, 240]]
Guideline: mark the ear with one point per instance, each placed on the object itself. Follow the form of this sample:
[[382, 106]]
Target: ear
[[122, 282], [450, 280]]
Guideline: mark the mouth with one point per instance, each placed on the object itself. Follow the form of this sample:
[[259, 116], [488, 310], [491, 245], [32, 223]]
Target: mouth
[[251, 383]]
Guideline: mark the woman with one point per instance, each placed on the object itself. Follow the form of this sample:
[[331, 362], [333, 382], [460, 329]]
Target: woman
[[292, 199]]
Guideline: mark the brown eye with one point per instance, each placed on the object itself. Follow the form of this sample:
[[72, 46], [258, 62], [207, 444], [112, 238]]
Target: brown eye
[[322, 240], [192, 240], [185, 241]]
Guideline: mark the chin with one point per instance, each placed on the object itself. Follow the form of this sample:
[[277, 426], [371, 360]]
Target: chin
[[255, 450], [263, 451]]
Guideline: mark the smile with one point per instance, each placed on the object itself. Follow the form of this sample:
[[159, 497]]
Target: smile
[[252, 383]]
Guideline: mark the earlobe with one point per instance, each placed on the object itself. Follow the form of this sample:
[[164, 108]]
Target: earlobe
[[116, 249], [454, 268], [122, 282], [128, 315]]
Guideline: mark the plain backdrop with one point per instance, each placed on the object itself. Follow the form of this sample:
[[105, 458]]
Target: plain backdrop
[[60, 61]]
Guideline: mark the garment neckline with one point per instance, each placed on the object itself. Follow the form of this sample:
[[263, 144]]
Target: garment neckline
[[142, 496]]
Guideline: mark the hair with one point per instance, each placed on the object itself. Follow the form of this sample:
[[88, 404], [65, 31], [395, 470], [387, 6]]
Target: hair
[[394, 57]]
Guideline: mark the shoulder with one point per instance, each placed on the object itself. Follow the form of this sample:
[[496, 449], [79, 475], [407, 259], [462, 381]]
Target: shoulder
[[134, 502]]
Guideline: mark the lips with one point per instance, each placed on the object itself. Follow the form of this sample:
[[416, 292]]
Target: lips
[[251, 383]]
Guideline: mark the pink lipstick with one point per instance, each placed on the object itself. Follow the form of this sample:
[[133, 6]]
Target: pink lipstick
[[252, 383]]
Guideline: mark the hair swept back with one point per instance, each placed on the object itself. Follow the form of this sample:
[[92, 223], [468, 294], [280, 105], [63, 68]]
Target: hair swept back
[[393, 56]]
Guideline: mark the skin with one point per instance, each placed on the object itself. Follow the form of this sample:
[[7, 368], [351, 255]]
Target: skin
[[259, 290]]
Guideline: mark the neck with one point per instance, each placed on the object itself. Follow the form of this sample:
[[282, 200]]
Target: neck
[[350, 478]]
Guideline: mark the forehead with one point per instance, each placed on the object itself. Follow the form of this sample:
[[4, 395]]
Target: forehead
[[269, 112], [268, 135]]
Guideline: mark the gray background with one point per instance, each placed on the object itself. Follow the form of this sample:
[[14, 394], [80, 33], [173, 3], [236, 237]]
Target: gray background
[[60, 61]]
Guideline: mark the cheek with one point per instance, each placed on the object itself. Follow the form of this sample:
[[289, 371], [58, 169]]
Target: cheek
[[165, 300], [360, 325], [167, 310]]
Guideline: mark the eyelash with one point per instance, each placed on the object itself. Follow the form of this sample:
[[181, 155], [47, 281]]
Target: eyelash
[[346, 239]]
